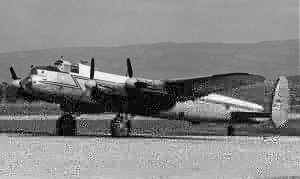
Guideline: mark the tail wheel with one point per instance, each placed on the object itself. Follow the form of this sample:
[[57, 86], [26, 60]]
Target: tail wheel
[[120, 127], [66, 125]]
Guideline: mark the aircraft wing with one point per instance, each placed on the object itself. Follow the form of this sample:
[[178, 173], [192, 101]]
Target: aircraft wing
[[179, 90], [183, 89], [202, 86]]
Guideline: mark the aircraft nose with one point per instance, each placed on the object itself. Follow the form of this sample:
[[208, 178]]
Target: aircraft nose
[[26, 83], [16, 83]]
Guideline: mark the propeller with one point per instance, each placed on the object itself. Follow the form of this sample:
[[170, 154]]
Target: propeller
[[13, 74], [16, 82], [129, 68], [17, 87], [91, 83], [92, 71], [131, 81]]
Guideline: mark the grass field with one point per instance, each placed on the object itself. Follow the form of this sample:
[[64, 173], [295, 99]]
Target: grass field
[[28, 109]]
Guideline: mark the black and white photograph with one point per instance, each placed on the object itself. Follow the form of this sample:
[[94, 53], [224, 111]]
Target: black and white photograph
[[149, 89]]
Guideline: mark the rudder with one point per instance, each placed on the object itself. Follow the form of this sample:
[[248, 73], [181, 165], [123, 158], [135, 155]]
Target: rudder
[[280, 102]]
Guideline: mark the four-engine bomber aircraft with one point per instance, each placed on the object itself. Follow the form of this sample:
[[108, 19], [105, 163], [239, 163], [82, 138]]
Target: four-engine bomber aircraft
[[79, 89]]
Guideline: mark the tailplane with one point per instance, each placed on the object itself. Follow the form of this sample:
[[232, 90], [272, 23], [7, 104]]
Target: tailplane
[[280, 103]]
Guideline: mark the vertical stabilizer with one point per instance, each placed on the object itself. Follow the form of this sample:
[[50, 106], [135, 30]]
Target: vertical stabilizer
[[280, 103]]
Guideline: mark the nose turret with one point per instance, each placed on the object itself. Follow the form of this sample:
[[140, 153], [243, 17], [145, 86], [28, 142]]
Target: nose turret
[[16, 80], [16, 83], [26, 83]]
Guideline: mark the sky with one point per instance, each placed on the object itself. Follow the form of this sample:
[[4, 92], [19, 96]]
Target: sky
[[40, 24]]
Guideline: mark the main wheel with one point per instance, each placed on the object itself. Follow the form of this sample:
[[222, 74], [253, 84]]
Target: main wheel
[[120, 127], [230, 131], [66, 125]]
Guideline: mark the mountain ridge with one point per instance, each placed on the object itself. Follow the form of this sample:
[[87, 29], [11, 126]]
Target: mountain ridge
[[170, 59]]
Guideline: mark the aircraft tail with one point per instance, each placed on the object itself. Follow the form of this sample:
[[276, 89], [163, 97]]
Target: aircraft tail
[[280, 102]]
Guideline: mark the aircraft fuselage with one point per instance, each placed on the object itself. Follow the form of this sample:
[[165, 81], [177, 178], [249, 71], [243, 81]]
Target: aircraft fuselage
[[67, 90]]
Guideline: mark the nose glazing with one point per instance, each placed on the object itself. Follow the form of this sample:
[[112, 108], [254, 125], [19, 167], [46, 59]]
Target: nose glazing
[[26, 83], [16, 83]]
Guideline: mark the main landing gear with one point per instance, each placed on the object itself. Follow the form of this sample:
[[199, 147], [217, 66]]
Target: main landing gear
[[120, 126], [230, 130], [66, 125]]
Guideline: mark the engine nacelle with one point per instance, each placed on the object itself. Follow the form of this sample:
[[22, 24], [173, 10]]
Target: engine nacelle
[[130, 83], [90, 84]]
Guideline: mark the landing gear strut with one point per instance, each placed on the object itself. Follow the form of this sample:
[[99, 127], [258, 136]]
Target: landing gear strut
[[120, 126], [66, 125]]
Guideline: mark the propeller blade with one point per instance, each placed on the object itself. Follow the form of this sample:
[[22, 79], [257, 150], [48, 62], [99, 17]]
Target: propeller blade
[[13, 73], [92, 72], [129, 68]]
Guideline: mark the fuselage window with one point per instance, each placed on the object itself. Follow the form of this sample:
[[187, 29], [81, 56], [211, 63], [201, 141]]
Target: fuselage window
[[67, 68], [74, 69]]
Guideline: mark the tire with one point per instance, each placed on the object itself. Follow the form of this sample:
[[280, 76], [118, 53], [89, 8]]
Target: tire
[[120, 128], [66, 125], [230, 131]]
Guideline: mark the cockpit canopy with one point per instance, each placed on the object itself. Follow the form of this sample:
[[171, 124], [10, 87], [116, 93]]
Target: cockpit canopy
[[58, 66], [66, 66], [47, 68], [58, 62]]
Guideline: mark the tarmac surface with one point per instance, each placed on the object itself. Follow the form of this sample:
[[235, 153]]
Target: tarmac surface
[[25, 156], [99, 125]]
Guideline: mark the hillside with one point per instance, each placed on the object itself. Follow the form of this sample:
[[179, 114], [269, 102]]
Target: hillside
[[171, 60]]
